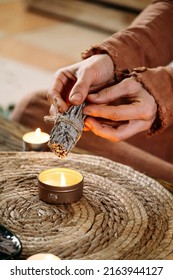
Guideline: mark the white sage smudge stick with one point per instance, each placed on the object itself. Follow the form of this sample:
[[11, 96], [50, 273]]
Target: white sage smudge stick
[[67, 130]]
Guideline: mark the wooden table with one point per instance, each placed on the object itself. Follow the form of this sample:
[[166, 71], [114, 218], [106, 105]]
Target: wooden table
[[11, 135]]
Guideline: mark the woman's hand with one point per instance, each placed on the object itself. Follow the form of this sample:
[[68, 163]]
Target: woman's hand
[[136, 110], [72, 84]]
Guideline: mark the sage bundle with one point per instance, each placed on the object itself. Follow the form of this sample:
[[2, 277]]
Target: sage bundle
[[66, 131]]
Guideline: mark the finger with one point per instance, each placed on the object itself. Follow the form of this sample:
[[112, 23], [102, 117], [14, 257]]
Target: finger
[[59, 81], [117, 113], [81, 88], [86, 128], [128, 130], [100, 86], [53, 110], [120, 133], [61, 86], [58, 102], [126, 88]]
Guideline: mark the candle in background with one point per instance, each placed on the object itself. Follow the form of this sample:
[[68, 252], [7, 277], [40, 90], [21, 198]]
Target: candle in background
[[60, 185], [35, 140], [44, 256]]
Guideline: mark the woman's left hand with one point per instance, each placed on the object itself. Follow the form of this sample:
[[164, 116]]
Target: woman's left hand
[[136, 110]]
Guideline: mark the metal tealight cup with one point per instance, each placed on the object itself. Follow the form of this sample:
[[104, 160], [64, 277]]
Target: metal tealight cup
[[51, 191]]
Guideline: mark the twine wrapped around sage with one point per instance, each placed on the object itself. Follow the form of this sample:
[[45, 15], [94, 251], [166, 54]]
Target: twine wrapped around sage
[[67, 130]]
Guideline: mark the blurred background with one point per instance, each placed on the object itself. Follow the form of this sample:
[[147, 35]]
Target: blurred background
[[39, 36]]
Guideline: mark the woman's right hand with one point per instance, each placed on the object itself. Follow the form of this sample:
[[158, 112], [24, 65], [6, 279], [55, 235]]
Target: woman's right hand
[[72, 84], [127, 103]]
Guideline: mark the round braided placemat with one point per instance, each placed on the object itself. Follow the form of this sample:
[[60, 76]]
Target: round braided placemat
[[123, 214]]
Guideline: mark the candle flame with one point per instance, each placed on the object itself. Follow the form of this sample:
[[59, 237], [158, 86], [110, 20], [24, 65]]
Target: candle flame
[[63, 180], [38, 132]]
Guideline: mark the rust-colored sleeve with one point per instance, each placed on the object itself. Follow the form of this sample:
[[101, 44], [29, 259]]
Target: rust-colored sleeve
[[159, 83], [148, 41]]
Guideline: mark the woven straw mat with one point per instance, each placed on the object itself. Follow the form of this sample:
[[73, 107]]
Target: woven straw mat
[[123, 214]]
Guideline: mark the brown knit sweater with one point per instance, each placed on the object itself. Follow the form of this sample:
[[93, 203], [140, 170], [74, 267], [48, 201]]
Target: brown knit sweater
[[145, 49]]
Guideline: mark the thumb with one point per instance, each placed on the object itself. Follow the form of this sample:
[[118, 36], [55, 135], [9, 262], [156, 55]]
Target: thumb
[[80, 90]]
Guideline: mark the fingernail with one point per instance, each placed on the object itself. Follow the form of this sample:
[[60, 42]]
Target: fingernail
[[87, 125], [55, 101], [77, 97], [86, 111]]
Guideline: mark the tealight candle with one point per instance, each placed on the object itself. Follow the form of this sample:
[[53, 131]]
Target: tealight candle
[[60, 185], [43, 256], [35, 140]]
